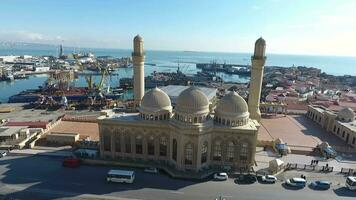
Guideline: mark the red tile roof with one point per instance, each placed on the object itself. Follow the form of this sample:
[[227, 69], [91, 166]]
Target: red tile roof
[[39, 124]]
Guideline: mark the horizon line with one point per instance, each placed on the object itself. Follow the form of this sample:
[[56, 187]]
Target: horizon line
[[197, 51]]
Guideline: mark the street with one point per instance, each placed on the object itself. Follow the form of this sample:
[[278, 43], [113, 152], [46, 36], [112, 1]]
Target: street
[[42, 177]]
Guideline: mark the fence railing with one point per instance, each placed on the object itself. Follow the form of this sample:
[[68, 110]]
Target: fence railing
[[348, 171], [319, 168]]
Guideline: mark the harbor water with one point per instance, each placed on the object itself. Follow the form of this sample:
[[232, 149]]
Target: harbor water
[[168, 61]]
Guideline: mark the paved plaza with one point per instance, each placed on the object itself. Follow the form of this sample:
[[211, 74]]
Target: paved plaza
[[296, 130]]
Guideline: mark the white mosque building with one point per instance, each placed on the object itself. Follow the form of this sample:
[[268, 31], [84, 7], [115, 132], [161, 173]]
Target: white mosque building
[[194, 135]]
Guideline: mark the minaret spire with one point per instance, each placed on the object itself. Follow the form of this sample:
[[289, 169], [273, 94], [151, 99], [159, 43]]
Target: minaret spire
[[138, 58], [258, 61]]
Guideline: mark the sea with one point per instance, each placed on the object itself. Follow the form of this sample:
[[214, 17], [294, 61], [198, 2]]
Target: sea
[[169, 61]]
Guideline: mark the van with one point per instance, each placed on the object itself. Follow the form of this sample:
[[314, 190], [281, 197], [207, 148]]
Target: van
[[120, 176]]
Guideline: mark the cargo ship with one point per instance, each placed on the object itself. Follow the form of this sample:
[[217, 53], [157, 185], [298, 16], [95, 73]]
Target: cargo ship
[[243, 70], [158, 79], [58, 86], [75, 94]]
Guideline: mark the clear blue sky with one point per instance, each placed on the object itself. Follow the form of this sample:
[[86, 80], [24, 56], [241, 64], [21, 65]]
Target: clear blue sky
[[289, 26]]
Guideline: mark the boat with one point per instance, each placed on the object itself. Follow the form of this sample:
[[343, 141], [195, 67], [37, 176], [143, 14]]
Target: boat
[[243, 70], [20, 76]]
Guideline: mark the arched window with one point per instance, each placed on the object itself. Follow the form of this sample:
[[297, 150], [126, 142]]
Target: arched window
[[230, 151], [204, 152], [195, 119], [151, 117], [107, 142], [200, 119], [151, 146], [160, 117], [228, 122], [156, 117], [127, 143], [223, 122], [138, 141], [117, 142], [143, 116], [217, 151], [175, 150], [219, 120], [188, 154], [244, 152], [163, 146]]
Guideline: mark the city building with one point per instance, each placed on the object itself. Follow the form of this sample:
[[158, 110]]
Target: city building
[[341, 123], [192, 135]]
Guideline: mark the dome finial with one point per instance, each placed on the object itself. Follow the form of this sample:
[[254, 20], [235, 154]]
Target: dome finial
[[138, 45], [260, 47]]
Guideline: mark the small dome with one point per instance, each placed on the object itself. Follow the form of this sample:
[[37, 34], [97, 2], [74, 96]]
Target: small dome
[[232, 105], [192, 100], [346, 114], [155, 100]]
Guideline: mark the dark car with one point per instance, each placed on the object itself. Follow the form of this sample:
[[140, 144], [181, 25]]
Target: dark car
[[246, 179], [320, 185], [71, 162]]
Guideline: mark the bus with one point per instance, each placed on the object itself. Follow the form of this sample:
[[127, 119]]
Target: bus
[[351, 182], [120, 176]]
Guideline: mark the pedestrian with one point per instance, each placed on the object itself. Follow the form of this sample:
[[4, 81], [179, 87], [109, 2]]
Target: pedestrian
[[317, 162]]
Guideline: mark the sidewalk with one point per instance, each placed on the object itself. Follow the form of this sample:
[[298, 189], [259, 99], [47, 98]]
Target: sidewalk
[[42, 152], [263, 158]]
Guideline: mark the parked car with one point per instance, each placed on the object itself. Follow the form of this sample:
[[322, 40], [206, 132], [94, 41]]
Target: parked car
[[3, 154], [296, 182], [246, 179], [269, 179], [151, 170], [222, 176], [351, 183], [71, 162], [321, 185]]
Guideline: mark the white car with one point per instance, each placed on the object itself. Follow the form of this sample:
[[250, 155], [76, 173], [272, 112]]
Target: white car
[[3, 154], [269, 179], [296, 182], [151, 170], [222, 176]]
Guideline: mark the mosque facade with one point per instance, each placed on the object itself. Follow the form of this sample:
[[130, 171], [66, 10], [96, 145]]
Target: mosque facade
[[194, 135]]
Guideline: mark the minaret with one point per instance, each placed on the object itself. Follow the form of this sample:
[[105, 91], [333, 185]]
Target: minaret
[[138, 58], [258, 61], [60, 54]]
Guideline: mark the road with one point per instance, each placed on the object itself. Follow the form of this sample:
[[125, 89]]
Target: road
[[41, 177]]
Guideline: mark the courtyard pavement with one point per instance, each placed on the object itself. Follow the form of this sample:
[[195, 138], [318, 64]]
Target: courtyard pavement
[[296, 130]]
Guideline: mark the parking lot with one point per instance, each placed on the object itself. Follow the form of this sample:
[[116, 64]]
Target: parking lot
[[44, 178]]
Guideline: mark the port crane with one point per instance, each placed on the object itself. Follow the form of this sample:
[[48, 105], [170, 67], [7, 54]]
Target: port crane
[[95, 90]]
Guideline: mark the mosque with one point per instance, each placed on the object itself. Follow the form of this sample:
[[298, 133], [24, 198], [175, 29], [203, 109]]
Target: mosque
[[193, 135]]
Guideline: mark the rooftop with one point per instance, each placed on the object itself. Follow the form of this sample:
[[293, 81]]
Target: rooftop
[[9, 131], [84, 129], [173, 91]]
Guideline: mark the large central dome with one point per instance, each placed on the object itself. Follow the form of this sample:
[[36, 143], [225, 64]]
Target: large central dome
[[192, 100]]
